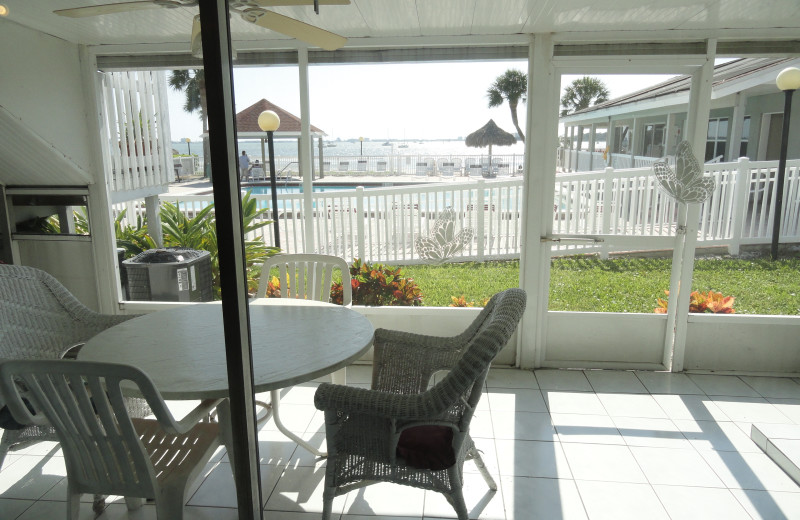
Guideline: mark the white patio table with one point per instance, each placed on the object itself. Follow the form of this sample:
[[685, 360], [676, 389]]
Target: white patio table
[[183, 349]]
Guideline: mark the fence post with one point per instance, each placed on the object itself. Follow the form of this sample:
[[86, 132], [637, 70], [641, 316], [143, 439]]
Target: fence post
[[741, 194], [360, 216], [481, 219], [608, 193]]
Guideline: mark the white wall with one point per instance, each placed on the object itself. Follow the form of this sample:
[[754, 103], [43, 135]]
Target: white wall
[[42, 86]]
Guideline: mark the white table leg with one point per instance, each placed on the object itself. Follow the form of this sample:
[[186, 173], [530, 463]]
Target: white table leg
[[275, 396], [226, 428]]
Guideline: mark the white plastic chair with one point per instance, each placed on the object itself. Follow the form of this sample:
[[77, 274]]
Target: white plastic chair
[[306, 277], [41, 319], [472, 168], [446, 168], [105, 450]]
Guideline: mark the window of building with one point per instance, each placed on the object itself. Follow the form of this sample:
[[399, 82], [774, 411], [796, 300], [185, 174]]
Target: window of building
[[716, 140], [745, 137], [654, 140]]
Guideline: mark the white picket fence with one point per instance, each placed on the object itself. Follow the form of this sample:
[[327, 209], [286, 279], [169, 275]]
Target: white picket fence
[[586, 161], [382, 224]]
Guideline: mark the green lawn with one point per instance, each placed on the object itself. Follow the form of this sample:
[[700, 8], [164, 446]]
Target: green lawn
[[760, 286]]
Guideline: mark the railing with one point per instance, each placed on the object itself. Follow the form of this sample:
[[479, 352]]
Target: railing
[[383, 224], [137, 133], [739, 212], [585, 161], [417, 165]]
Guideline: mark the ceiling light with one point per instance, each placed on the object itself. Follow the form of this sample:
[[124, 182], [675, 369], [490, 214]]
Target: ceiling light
[[3, 10]]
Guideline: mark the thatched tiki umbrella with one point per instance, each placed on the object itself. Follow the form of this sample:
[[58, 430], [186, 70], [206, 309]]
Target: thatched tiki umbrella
[[488, 135]]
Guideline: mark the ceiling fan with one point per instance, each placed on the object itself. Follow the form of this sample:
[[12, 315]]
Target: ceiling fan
[[250, 10]]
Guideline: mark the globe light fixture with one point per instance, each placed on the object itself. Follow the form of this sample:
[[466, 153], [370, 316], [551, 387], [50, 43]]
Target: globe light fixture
[[3, 10], [268, 121], [788, 81], [189, 144]]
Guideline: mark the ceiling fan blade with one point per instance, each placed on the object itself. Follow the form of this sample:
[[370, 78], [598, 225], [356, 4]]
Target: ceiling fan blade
[[295, 28], [196, 44], [96, 10], [282, 3]]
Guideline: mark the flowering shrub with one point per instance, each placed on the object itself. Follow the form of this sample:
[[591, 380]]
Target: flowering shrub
[[274, 288], [712, 302], [378, 284], [461, 302]]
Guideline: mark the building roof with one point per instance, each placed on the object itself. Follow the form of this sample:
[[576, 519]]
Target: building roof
[[738, 74], [247, 121]]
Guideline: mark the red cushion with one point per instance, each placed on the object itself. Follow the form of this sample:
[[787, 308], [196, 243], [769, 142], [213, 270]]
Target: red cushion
[[427, 447]]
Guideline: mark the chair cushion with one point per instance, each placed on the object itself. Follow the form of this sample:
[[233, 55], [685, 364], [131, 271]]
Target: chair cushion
[[427, 447]]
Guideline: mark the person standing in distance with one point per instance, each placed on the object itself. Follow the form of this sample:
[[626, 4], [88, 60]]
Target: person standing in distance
[[244, 166]]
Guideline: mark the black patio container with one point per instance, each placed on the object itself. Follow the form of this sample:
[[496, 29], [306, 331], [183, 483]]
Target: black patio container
[[173, 274]]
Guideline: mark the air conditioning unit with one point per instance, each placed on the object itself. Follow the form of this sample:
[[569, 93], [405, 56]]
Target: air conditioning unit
[[170, 275]]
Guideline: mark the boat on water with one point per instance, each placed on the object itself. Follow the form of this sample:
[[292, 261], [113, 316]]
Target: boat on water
[[330, 145], [387, 143], [404, 145]]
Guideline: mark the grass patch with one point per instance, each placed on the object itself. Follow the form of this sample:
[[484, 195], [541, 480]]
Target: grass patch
[[760, 286]]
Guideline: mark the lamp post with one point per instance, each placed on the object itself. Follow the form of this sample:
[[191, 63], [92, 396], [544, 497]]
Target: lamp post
[[788, 81], [362, 145], [189, 144], [269, 121]]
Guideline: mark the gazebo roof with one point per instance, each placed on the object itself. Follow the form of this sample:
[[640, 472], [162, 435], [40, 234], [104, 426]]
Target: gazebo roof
[[247, 122]]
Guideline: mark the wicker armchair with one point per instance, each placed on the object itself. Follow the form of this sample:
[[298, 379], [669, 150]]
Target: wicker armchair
[[405, 430], [40, 319]]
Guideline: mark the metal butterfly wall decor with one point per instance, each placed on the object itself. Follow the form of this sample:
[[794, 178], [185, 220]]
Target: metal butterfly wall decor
[[686, 184], [443, 241]]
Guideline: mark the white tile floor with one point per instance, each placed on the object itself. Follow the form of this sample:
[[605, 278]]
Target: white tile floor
[[560, 444]]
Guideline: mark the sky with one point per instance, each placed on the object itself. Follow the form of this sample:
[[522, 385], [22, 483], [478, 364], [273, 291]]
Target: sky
[[387, 101]]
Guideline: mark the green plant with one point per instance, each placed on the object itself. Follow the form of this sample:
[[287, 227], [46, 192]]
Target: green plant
[[134, 239], [199, 232], [699, 302], [379, 285], [511, 86]]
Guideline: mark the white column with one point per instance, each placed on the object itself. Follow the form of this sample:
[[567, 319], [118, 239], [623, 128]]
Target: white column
[[737, 124], [153, 211], [539, 184], [305, 151], [610, 136], [633, 140], [104, 241], [592, 132], [670, 140], [688, 216]]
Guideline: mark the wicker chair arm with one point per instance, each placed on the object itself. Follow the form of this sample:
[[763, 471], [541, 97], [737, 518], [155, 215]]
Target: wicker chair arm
[[387, 336], [348, 399]]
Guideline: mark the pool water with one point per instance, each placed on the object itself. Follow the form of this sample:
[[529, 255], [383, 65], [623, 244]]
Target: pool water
[[265, 190]]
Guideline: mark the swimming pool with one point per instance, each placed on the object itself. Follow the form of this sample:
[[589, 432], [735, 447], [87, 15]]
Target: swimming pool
[[288, 190]]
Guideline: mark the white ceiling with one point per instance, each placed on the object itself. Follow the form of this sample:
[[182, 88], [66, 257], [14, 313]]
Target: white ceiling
[[386, 23]]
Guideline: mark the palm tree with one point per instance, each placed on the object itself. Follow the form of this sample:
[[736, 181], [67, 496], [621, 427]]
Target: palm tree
[[583, 92], [511, 86], [193, 82]]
